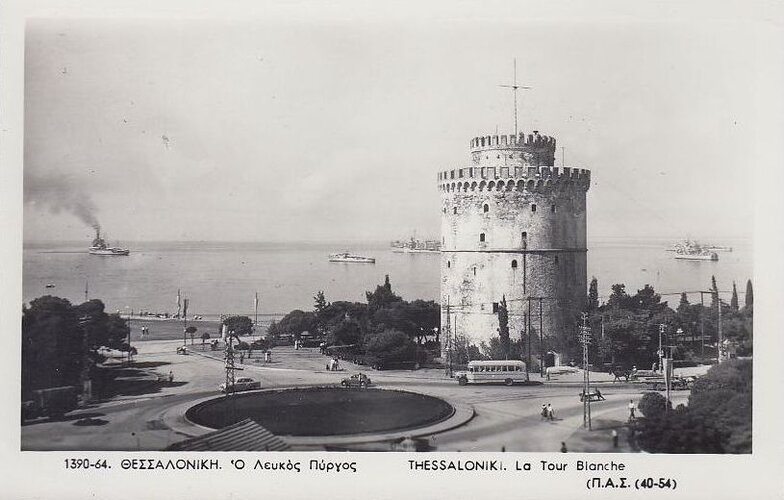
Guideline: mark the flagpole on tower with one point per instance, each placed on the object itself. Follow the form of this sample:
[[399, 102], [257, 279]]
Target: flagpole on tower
[[514, 88]]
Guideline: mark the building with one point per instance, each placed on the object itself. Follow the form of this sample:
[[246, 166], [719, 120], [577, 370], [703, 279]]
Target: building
[[514, 225]]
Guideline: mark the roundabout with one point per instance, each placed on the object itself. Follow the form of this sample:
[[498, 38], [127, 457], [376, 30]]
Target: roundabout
[[325, 411]]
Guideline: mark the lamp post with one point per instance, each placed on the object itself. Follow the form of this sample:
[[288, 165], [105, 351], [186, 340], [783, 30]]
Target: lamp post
[[130, 316], [661, 351]]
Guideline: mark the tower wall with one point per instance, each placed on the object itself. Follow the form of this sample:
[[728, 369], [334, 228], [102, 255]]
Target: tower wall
[[527, 252]]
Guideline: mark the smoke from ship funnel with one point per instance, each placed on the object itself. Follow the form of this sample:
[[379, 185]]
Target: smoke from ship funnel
[[59, 193]]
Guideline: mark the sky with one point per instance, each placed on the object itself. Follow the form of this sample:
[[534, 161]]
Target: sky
[[329, 129]]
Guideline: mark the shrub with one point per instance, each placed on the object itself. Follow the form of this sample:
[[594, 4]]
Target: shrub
[[653, 405]]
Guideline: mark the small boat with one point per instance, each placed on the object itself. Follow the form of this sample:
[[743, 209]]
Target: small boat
[[49, 285], [347, 257]]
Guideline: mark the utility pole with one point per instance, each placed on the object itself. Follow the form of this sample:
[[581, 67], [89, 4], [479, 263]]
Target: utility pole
[[585, 340], [184, 321], [662, 329], [528, 329], [255, 311], [514, 88], [86, 288], [702, 328], [541, 338], [719, 338], [448, 337]]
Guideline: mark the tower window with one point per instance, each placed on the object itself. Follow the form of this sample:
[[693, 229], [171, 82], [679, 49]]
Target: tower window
[[482, 237], [454, 210], [444, 210], [533, 208], [552, 208], [524, 242], [448, 264], [514, 264], [486, 208], [474, 271], [495, 307], [556, 259]]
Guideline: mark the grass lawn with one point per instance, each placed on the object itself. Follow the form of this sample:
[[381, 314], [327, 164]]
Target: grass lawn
[[324, 411]]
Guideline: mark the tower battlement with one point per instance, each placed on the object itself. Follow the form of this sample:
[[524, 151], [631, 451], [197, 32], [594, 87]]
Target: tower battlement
[[521, 149], [523, 178], [521, 141]]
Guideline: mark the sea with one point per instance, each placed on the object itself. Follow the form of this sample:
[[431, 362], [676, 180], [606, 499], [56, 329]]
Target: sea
[[224, 278]]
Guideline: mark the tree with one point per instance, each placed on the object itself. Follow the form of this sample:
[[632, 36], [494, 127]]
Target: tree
[[593, 295], [297, 322], [683, 305], [205, 337], [54, 345], [749, 296], [240, 325], [734, 299], [391, 345], [346, 332], [382, 296], [503, 327], [320, 301], [653, 405], [320, 305], [715, 293]]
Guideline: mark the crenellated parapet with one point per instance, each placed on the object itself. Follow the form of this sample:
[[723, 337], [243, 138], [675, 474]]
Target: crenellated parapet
[[523, 140], [525, 178], [522, 149]]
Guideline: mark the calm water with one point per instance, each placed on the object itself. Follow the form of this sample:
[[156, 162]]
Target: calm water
[[222, 277]]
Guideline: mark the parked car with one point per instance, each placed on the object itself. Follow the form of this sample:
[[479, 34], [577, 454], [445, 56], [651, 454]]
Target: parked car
[[182, 350], [241, 384], [359, 380]]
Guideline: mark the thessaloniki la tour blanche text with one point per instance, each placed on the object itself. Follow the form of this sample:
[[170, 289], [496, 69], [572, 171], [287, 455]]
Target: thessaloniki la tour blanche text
[[498, 465]]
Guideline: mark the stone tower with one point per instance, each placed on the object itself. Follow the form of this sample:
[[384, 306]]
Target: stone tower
[[513, 225]]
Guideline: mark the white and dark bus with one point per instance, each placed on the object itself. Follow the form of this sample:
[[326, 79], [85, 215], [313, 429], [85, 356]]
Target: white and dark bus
[[506, 371]]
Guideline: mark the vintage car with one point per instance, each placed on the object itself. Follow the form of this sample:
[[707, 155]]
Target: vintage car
[[182, 350], [241, 384], [359, 380]]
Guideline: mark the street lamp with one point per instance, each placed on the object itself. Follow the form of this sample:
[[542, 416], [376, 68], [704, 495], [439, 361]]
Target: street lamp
[[130, 316]]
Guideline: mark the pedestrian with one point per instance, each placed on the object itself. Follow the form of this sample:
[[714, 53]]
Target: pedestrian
[[242, 358], [550, 412], [599, 396], [615, 438], [544, 411], [171, 377], [653, 367], [328, 365], [563, 447], [631, 410]]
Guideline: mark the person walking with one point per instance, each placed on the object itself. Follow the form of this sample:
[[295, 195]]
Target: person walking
[[544, 412], [563, 447], [615, 438], [171, 377], [550, 412], [632, 407]]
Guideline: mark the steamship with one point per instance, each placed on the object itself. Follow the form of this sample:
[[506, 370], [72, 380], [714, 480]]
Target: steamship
[[99, 247]]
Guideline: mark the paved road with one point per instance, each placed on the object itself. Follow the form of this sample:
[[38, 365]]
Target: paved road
[[505, 417]]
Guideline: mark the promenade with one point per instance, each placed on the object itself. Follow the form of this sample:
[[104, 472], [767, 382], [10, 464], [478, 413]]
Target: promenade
[[149, 415]]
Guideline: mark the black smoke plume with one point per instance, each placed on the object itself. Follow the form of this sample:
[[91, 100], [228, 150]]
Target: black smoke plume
[[60, 193]]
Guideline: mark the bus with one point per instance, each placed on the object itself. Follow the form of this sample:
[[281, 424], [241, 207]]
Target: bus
[[506, 371]]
